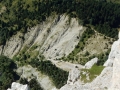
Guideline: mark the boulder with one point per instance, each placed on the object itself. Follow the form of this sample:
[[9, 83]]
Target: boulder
[[18, 86], [74, 75], [109, 79], [90, 63]]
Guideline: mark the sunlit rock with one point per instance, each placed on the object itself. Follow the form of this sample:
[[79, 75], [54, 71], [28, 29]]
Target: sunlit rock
[[17, 86], [90, 63]]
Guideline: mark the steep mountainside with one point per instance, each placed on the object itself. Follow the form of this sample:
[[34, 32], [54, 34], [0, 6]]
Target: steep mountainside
[[50, 41], [53, 38], [108, 79], [56, 37]]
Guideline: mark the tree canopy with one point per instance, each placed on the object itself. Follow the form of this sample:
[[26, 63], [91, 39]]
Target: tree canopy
[[7, 74], [21, 14], [58, 76]]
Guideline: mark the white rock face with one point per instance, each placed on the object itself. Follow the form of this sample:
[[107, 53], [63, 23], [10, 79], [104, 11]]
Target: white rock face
[[109, 79], [115, 50], [115, 82], [74, 75], [114, 60], [55, 37], [29, 72], [112, 54], [17, 86], [73, 82], [62, 37], [90, 63], [102, 82], [12, 46]]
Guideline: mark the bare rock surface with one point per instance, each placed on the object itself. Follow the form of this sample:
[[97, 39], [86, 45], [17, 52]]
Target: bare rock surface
[[90, 63], [30, 72], [115, 82], [13, 45], [55, 37], [74, 75], [17, 86], [73, 82], [102, 82], [109, 79], [115, 52], [114, 61]]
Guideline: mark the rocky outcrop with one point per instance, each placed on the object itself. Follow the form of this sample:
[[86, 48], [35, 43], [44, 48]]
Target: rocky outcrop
[[57, 37], [73, 82], [74, 75], [17, 86], [90, 63], [109, 79], [113, 61], [29, 73], [101, 82], [13, 46], [54, 38], [115, 53], [115, 82]]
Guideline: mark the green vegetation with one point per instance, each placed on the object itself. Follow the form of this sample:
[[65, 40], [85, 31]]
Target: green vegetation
[[58, 76], [92, 73], [26, 55], [103, 57], [7, 74], [114, 1], [85, 36], [74, 54], [21, 14], [33, 47], [33, 84]]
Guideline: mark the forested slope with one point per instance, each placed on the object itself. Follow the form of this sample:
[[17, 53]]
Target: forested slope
[[20, 15], [24, 15], [7, 73]]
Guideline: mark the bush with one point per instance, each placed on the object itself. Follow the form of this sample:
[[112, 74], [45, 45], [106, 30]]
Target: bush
[[33, 84]]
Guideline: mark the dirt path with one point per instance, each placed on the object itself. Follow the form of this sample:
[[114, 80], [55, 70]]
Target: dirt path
[[67, 66]]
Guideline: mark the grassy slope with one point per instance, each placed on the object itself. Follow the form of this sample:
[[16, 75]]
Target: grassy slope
[[92, 73], [90, 45]]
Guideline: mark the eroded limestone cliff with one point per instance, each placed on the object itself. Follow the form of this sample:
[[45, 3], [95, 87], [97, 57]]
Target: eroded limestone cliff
[[109, 79], [55, 37]]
